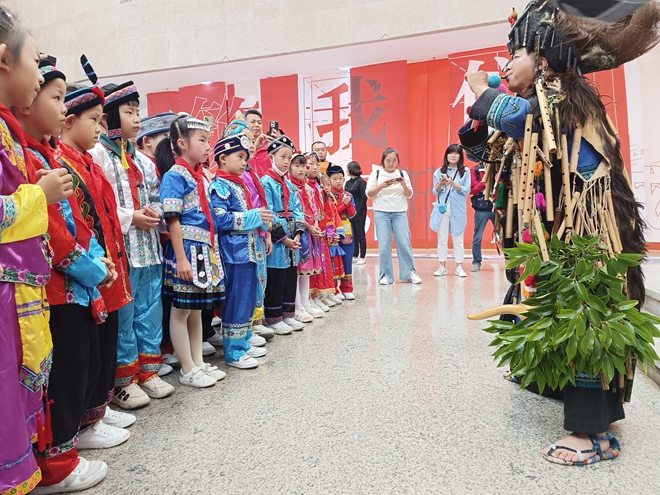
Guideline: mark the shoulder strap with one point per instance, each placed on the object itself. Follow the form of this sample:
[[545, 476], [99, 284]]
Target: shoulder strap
[[377, 174]]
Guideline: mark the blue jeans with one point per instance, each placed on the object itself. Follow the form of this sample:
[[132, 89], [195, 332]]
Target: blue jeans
[[480, 221], [388, 223]]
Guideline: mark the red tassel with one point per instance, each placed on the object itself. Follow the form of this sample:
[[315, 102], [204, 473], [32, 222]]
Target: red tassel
[[41, 434], [49, 426]]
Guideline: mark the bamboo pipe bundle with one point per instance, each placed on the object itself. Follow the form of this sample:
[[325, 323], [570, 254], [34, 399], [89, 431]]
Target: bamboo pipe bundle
[[488, 180], [493, 139], [504, 309], [526, 149], [510, 208], [548, 134], [515, 180], [614, 238], [566, 183], [568, 210], [541, 237], [575, 150], [610, 211], [529, 189], [547, 179]]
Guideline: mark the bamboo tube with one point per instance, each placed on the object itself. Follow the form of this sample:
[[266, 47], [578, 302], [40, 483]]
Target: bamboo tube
[[542, 155], [575, 150], [547, 179], [527, 144], [545, 116], [508, 146], [541, 237], [566, 183], [622, 380], [568, 211], [529, 189], [510, 209], [558, 130], [493, 139], [504, 309], [578, 221], [610, 211], [488, 180]]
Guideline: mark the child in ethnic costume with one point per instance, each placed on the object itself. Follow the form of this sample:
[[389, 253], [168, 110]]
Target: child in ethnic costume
[[77, 307], [310, 250], [346, 210], [194, 278], [136, 187], [282, 262], [24, 269], [238, 223], [334, 234], [264, 243]]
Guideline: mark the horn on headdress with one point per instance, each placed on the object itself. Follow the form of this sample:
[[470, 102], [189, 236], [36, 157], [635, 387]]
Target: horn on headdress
[[89, 70]]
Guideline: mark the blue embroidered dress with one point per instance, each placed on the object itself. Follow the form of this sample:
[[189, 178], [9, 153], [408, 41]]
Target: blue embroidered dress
[[180, 198]]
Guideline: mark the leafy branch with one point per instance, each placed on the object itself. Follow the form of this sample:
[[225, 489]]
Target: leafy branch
[[579, 321]]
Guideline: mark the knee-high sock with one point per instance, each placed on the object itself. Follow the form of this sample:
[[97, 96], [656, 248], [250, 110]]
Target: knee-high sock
[[302, 297], [180, 338]]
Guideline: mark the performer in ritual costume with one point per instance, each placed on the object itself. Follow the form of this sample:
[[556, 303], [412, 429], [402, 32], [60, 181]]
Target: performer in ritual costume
[[238, 223], [264, 244], [25, 353], [96, 202], [310, 262], [282, 262], [346, 210], [193, 273], [137, 191], [550, 53]]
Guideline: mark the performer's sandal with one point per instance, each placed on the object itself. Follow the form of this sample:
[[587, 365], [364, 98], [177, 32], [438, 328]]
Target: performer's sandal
[[611, 453]]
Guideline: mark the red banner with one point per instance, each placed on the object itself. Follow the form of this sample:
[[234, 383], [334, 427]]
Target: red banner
[[280, 102], [163, 102]]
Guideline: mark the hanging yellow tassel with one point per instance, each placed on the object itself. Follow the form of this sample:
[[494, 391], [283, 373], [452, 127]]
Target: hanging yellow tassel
[[124, 161]]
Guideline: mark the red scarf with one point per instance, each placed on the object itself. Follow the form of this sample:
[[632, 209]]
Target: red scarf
[[286, 194], [198, 174], [302, 187], [236, 180], [257, 184]]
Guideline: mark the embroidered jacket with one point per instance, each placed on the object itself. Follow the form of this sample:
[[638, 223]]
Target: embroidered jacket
[[142, 246], [346, 212]]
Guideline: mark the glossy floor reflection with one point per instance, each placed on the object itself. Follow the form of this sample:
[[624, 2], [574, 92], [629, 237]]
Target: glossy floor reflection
[[393, 393]]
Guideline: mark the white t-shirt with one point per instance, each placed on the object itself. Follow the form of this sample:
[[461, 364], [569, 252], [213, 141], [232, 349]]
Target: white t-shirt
[[390, 199]]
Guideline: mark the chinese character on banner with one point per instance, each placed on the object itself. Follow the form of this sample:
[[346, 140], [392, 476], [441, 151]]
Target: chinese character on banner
[[206, 102], [491, 60], [364, 123], [327, 116]]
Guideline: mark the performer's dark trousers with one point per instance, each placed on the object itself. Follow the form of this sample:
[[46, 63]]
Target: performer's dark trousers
[[280, 300], [359, 237]]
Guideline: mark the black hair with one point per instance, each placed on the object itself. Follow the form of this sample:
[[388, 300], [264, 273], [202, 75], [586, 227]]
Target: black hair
[[112, 117], [164, 156], [299, 159], [179, 130], [253, 111], [388, 151], [70, 88], [12, 32], [318, 142], [454, 148], [354, 169]]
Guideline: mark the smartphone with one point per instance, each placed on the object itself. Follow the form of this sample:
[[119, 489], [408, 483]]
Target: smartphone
[[443, 176], [274, 125], [399, 179]]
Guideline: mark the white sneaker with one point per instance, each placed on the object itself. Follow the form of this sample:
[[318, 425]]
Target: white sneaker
[[244, 363], [460, 272], [320, 304], [263, 331], [361, 261], [165, 369], [86, 475], [117, 419], [349, 296], [476, 267], [328, 302], [340, 296], [384, 281], [315, 311], [335, 299], [197, 378], [207, 349], [440, 272], [281, 328], [216, 321], [102, 436], [303, 316], [355, 260], [294, 324], [130, 397], [257, 341], [171, 359], [213, 371], [157, 388], [256, 352], [215, 340], [414, 278]]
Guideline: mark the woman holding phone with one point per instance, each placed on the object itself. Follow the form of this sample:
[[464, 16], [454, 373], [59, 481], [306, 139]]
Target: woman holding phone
[[451, 186], [391, 189]]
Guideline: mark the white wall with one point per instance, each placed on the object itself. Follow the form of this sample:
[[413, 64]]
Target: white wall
[[129, 36]]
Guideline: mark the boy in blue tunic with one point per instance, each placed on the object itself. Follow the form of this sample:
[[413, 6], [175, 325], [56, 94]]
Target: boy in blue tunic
[[237, 224]]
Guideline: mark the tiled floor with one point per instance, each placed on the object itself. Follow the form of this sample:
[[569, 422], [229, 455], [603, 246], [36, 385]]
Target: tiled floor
[[393, 393]]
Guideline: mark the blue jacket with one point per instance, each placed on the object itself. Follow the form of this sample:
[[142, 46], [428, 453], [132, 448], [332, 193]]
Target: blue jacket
[[457, 198]]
